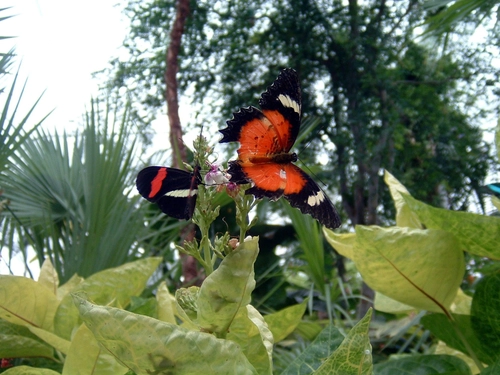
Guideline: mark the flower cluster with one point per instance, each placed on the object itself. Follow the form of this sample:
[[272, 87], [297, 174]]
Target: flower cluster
[[221, 179]]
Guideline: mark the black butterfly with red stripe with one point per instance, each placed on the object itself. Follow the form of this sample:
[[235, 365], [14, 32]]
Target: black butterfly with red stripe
[[173, 190], [266, 137]]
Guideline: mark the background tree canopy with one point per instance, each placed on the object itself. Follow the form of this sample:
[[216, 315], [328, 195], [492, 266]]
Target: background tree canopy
[[381, 99]]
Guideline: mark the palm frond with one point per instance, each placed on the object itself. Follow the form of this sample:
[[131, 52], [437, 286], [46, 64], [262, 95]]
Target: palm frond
[[455, 12], [70, 193], [13, 133]]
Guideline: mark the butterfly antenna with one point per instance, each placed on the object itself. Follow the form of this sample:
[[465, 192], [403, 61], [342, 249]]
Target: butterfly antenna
[[310, 172], [304, 147]]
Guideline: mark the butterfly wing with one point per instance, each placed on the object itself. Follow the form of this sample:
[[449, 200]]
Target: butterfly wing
[[305, 194], [273, 180], [172, 189], [273, 129], [282, 105], [265, 133]]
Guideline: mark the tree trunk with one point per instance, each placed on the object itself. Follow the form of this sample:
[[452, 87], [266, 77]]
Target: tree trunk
[[179, 154], [172, 68]]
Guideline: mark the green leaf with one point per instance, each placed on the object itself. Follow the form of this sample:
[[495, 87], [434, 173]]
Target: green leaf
[[420, 268], [423, 364], [228, 288], [327, 341], [143, 306], [284, 322], [354, 355], [87, 357], [17, 341], [492, 369], [311, 242], [442, 349], [146, 345], [485, 311], [26, 370], [478, 234], [455, 333], [25, 302], [404, 216], [113, 286], [251, 333]]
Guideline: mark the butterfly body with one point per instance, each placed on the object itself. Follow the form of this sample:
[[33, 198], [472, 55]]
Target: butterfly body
[[266, 136], [173, 190]]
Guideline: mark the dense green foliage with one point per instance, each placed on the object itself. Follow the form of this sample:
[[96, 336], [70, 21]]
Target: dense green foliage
[[215, 329], [383, 100]]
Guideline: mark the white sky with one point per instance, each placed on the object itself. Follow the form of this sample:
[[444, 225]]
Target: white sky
[[60, 43]]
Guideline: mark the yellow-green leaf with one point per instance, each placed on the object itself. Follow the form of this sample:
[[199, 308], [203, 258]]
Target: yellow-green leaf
[[87, 357], [284, 322], [251, 333], [114, 286], [69, 286], [149, 346], [420, 268], [389, 305], [228, 288], [462, 303], [478, 234], [344, 243], [48, 276], [404, 216], [166, 304], [25, 302], [51, 338]]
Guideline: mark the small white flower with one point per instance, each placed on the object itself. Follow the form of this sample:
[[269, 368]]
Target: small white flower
[[215, 177]]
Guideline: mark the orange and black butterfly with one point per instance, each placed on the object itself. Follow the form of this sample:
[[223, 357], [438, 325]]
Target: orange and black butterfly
[[266, 137]]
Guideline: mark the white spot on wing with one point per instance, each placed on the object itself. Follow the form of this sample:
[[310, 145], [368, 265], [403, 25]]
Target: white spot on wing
[[289, 102], [182, 193], [316, 199]]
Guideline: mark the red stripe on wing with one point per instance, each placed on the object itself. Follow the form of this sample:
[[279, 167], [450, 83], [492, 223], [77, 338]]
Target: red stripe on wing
[[157, 182]]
